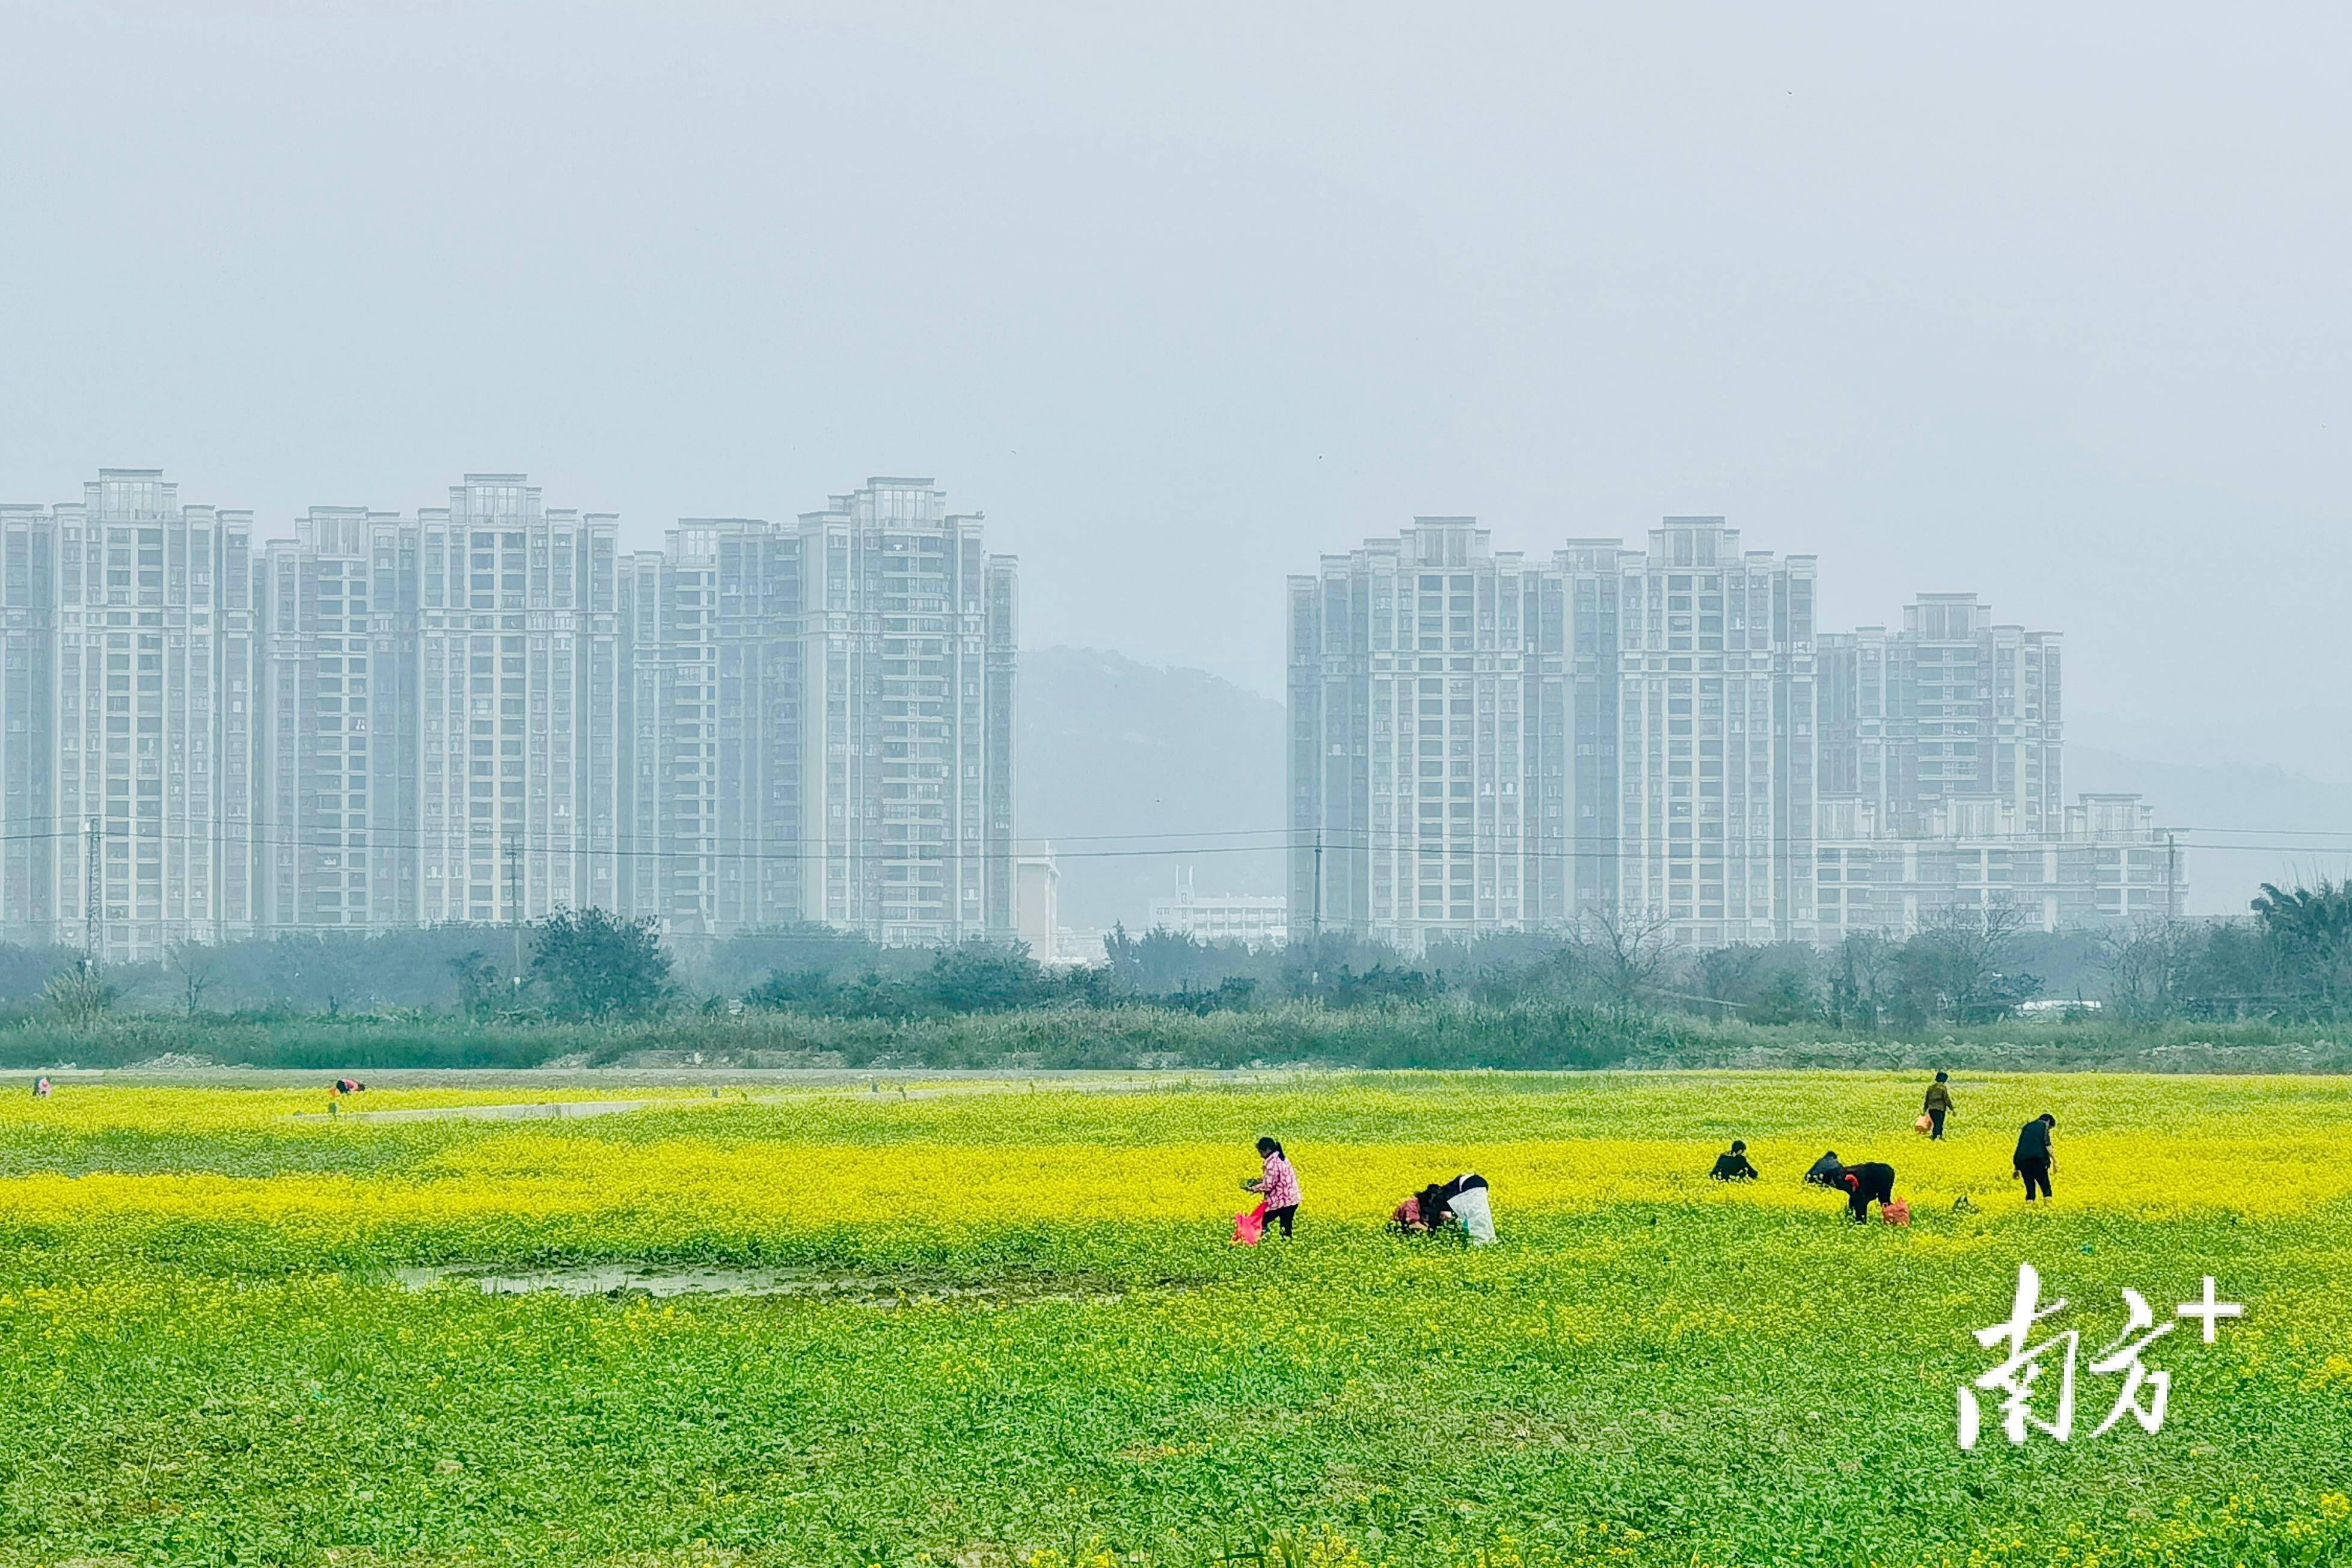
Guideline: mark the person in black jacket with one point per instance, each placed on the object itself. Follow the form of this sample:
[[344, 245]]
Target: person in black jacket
[[1826, 1170], [1734, 1167], [1864, 1184], [2033, 1160]]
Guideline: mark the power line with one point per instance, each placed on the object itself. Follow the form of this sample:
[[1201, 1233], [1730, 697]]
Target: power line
[[1197, 842], [615, 844], [1042, 839], [1577, 847]]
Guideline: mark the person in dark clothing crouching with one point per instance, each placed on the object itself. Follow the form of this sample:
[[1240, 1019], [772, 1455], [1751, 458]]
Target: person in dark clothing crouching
[[1826, 1170], [1734, 1167], [2033, 1160], [1864, 1185]]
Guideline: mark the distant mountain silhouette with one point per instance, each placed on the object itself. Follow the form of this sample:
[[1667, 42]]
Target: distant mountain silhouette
[[1104, 747], [1109, 746], [2288, 814]]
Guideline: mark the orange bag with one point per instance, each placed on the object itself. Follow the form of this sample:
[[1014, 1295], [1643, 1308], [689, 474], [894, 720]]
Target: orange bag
[[1895, 1210], [1248, 1227], [1925, 1123]]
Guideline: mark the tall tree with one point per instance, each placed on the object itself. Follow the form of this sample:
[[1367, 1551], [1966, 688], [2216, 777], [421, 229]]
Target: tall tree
[[983, 976], [1625, 949], [1864, 981], [1728, 975], [196, 966], [597, 965], [79, 995], [480, 988], [1960, 965], [2149, 966], [2309, 933]]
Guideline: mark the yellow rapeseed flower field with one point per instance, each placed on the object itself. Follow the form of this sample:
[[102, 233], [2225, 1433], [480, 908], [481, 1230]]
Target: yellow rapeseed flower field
[[998, 1326]]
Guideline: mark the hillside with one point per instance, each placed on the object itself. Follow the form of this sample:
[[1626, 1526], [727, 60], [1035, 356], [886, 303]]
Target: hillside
[[2243, 823], [1109, 746], [1106, 747]]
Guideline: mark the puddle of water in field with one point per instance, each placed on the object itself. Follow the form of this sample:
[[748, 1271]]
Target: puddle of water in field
[[658, 1280]]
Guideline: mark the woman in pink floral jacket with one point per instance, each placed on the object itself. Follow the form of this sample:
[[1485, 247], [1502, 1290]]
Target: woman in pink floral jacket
[[1279, 1185]]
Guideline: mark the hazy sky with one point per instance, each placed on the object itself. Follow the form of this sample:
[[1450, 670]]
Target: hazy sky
[[2046, 302]]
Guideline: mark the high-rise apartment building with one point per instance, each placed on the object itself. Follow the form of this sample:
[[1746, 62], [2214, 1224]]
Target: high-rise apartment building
[[711, 808], [761, 829], [819, 718], [1430, 712], [1717, 697], [665, 806], [442, 712], [1478, 742], [330, 722], [1941, 781], [520, 649], [1951, 707], [128, 662], [714, 807], [28, 706], [485, 712], [907, 666]]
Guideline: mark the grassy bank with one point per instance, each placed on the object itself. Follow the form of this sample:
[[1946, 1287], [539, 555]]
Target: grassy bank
[[1448, 1033]]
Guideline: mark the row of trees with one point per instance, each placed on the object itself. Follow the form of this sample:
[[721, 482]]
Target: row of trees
[[2292, 960], [578, 964], [1964, 966]]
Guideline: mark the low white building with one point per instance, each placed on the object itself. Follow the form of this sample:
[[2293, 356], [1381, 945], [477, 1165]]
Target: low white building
[[2110, 865], [1255, 919]]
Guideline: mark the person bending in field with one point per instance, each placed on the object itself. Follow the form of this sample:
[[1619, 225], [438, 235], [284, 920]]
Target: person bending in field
[[1863, 1184], [1405, 1219], [1826, 1170], [1278, 1186], [1734, 1167], [1465, 1198], [2034, 1159], [1423, 1213], [1461, 1203], [1938, 1104]]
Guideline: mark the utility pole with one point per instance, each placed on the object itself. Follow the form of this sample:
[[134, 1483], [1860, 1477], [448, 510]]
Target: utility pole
[[1319, 883], [514, 901], [93, 887], [2172, 871]]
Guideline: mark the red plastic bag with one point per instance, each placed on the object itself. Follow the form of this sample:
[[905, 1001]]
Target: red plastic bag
[[1248, 1227], [1895, 1210]]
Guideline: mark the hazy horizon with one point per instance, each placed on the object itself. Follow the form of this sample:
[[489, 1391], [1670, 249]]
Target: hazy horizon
[[2041, 307]]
